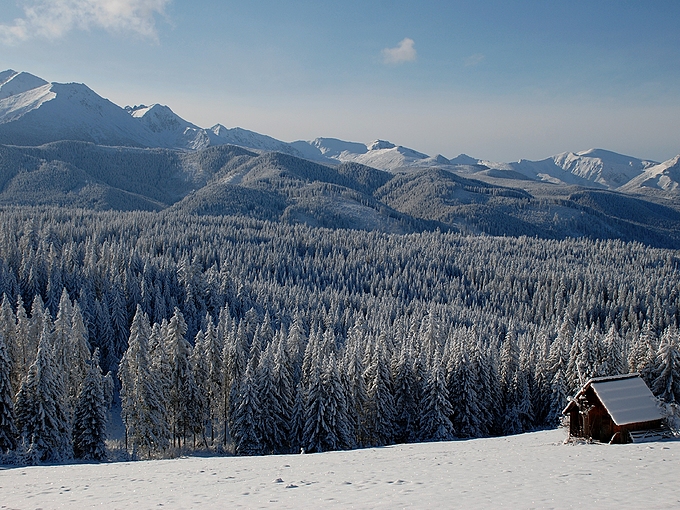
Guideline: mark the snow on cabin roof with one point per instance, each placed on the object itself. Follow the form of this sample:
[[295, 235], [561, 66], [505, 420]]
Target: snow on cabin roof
[[628, 400]]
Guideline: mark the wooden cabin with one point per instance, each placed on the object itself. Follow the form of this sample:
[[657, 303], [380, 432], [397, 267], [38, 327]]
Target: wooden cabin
[[615, 409]]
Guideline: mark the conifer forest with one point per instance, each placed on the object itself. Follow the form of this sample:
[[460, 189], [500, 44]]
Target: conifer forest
[[237, 335]]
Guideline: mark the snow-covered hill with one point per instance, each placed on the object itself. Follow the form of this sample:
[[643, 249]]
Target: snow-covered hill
[[664, 176], [379, 154], [594, 168], [535, 470], [220, 135]]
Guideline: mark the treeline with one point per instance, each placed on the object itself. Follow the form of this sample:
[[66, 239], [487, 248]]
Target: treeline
[[230, 333]]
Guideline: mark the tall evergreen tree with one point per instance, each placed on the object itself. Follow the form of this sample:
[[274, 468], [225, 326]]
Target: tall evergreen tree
[[142, 410], [89, 426], [244, 417], [8, 430], [381, 408], [435, 424], [41, 408], [181, 380], [667, 384]]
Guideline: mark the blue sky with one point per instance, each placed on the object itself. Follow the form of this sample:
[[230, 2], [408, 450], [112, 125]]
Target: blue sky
[[500, 80]]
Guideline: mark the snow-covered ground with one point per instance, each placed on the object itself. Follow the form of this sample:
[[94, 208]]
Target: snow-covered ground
[[530, 470]]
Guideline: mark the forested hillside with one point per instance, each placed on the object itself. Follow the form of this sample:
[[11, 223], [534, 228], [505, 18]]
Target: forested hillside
[[231, 333], [274, 186]]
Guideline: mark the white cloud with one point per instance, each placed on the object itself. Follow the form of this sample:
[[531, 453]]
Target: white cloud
[[474, 60], [54, 18], [404, 52]]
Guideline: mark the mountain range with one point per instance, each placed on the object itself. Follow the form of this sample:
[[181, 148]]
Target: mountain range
[[63, 144]]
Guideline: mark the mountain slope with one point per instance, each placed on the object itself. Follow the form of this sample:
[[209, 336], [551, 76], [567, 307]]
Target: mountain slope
[[379, 154], [594, 168], [35, 115], [664, 176], [170, 130]]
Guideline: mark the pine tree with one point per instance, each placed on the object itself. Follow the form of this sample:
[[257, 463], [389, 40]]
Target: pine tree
[[435, 424], [355, 384], [214, 380], [488, 388], [182, 384], [667, 384], [199, 403], [142, 410], [8, 430], [41, 412], [245, 405], [558, 398], [89, 426], [465, 415], [283, 380], [79, 355], [269, 420], [381, 409], [13, 353], [325, 410]]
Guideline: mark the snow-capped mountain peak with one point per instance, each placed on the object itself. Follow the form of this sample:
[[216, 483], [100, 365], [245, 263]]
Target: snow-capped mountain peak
[[664, 176], [379, 145], [12, 83], [171, 130]]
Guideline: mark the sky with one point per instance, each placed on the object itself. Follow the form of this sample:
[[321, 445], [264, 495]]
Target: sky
[[496, 79]]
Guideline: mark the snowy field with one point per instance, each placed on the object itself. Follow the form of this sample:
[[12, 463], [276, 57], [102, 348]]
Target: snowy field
[[530, 470]]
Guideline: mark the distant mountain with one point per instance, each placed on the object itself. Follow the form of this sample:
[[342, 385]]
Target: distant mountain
[[169, 129], [273, 186], [664, 176], [379, 154], [34, 112], [219, 135], [595, 167], [63, 145]]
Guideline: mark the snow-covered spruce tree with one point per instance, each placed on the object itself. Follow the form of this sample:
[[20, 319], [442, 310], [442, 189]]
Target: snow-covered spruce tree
[[615, 352], [296, 342], [8, 332], [463, 397], [325, 409], [488, 388], [642, 357], [181, 379], [199, 404], [435, 424], [41, 412], [8, 430], [381, 409], [591, 361], [142, 410], [89, 424], [79, 351], [245, 412], [405, 393], [270, 425], [666, 386], [352, 376], [540, 388], [558, 398], [509, 367], [214, 380], [283, 380]]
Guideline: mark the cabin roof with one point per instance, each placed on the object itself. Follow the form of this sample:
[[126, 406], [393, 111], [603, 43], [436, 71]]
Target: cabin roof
[[626, 398]]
